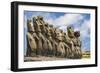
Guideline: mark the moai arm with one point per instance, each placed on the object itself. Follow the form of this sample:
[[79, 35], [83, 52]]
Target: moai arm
[[31, 41], [35, 36], [42, 37]]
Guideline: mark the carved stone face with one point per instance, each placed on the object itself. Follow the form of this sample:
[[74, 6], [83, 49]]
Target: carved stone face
[[34, 19], [69, 28], [77, 34], [59, 35], [30, 25], [70, 32], [40, 17]]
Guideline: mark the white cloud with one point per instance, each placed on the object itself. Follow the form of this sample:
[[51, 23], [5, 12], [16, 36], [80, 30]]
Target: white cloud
[[65, 20], [64, 28], [68, 19], [85, 28], [44, 15]]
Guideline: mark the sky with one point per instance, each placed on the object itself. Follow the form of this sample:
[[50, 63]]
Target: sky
[[60, 20]]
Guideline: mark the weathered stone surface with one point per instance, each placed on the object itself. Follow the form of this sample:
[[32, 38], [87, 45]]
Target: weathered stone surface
[[45, 40]]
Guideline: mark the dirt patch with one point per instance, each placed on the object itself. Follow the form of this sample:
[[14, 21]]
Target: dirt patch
[[41, 58]]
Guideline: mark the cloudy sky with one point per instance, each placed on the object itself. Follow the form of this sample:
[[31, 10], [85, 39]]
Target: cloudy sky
[[61, 20]]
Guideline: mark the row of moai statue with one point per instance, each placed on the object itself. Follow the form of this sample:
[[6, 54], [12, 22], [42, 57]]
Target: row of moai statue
[[45, 40]]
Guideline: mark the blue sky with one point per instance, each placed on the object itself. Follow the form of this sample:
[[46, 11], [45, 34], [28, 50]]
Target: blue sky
[[60, 20]]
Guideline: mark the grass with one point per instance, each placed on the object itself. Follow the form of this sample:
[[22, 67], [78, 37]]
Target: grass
[[86, 54]]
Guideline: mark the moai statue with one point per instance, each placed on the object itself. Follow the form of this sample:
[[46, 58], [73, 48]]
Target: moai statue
[[54, 42], [60, 48], [46, 45], [70, 42], [38, 33], [77, 44], [42, 43], [44, 40], [31, 43], [66, 46], [49, 41]]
